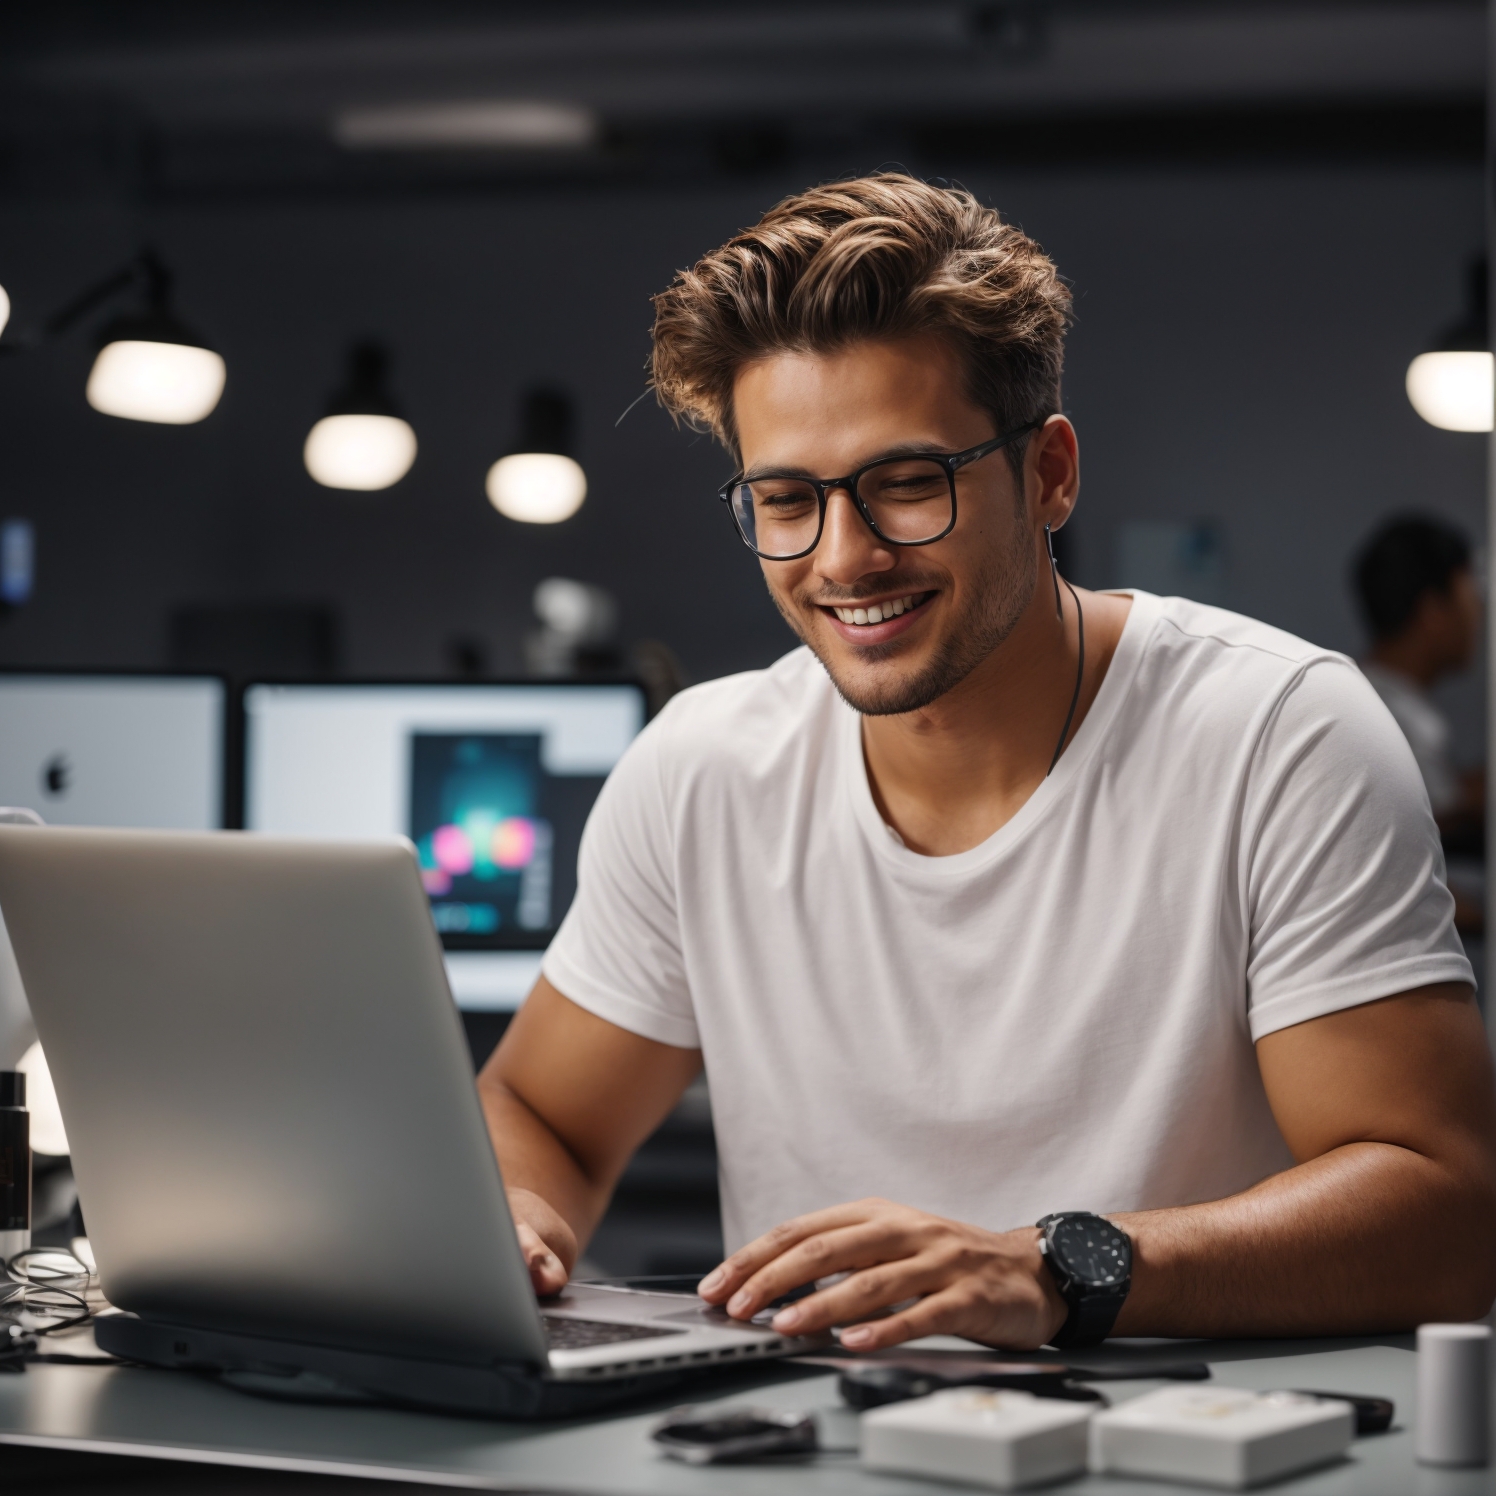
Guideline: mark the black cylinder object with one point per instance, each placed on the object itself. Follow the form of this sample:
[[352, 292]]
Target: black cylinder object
[[15, 1153]]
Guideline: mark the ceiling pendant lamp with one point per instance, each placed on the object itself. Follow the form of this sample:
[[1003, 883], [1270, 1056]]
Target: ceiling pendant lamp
[[4, 308], [363, 443], [150, 365], [1453, 385], [540, 482]]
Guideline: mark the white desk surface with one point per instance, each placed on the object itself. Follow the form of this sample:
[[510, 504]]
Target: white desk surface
[[176, 1416]]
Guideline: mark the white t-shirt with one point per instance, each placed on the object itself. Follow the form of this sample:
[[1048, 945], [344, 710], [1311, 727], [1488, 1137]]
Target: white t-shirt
[[1061, 1018]]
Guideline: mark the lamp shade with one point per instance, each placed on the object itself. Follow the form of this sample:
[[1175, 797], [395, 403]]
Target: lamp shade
[[151, 366], [1453, 385], [363, 443], [1453, 389], [540, 483], [4, 308], [141, 379], [364, 452]]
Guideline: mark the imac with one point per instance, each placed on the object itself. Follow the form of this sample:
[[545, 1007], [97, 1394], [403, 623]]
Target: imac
[[492, 783], [114, 750]]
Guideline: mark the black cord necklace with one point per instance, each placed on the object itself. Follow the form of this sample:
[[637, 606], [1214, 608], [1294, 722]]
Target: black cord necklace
[[1080, 667]]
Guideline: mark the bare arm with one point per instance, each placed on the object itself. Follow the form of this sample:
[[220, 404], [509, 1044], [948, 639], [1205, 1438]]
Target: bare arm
[[1388, 1111], [1385, 1220], [569, 1097]]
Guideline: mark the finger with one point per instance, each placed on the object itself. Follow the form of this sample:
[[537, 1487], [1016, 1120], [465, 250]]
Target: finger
[[547, 1271], [725, 1280], [864, 1293], [960, 1309], [838, 1251], [549, 1277], [949, 1312]]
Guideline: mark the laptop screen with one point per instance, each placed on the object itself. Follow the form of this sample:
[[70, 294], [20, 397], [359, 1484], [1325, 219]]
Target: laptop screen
[[492, 783], [114, 750]]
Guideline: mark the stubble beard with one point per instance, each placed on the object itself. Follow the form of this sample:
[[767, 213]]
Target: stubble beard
[[1000, 593]]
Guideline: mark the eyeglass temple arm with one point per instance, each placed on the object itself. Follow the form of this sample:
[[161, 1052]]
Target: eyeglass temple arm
[[987, 448]]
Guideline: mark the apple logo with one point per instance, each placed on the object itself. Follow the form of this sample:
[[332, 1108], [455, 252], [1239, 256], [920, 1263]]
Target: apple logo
[[57, 773]]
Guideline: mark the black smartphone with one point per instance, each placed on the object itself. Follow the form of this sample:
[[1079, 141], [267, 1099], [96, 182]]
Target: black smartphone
[[702, 1436], [1373, 1414]]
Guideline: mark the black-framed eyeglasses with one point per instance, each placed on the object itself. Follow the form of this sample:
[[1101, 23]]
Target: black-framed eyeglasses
[[904, 500]]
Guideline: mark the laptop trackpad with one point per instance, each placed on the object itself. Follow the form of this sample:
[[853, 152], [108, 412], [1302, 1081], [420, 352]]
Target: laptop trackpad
[[717, 1319]]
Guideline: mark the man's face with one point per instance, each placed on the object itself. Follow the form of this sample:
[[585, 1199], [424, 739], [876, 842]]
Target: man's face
[[945, 606]]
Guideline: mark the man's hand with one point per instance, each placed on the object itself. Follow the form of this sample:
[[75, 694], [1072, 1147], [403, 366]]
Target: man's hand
[[548, 1243], [568, 1097], [989, 1286]]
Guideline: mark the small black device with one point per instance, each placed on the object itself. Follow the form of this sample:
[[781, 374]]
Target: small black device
[[702, 1436], [1091, 1260], [1373, 1414]]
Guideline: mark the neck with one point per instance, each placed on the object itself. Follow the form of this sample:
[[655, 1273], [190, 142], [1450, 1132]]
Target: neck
[[1407, 656], [946, 777]]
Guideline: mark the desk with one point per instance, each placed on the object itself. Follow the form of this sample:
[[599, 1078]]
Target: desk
[[166, 1414]]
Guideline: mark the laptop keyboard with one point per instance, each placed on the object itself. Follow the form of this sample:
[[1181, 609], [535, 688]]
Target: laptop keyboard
[[563, 1333]]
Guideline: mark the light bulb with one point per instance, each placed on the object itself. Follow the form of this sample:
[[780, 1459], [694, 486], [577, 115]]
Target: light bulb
[[575, 611], [359, 451], [540, 488], [1453, 390], [4, 308], [48, 1135], [173, 383]]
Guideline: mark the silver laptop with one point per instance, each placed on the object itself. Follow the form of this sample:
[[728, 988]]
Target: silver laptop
[[272, 1111]]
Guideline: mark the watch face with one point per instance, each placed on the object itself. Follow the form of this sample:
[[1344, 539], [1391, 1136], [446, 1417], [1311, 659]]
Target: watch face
[[1092, 1250]]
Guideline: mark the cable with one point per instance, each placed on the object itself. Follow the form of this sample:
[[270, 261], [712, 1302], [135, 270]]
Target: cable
[[1080, 665], [39, 1286]]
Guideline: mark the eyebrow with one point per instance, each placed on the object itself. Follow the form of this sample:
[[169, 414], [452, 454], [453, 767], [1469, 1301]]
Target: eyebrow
[[903, 449]]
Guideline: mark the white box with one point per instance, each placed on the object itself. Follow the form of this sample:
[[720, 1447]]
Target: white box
[[1220, 1436], [984, 1437]]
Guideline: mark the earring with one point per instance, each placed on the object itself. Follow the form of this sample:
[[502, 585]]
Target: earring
[[1054, 573]]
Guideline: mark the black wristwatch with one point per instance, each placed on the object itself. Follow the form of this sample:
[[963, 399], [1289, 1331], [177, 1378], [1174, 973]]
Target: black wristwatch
[[1091, 1260]]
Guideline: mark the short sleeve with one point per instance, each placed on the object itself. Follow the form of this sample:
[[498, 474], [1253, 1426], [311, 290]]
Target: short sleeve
[[618, 951], [1343, 871]]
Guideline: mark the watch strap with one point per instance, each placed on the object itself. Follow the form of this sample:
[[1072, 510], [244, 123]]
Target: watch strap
[[1090, 1320]]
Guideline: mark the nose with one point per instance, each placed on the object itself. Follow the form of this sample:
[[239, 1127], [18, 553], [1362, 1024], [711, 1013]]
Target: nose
[[848, 549]]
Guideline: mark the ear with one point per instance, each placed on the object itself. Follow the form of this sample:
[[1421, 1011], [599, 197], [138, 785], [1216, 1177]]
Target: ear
[[1051, 468]]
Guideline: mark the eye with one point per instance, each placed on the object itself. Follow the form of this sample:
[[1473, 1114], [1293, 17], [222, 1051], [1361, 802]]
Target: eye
[[783, 498], [912, 481]]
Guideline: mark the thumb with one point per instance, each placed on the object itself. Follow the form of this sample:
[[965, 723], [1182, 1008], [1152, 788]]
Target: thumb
[[547, 1273]]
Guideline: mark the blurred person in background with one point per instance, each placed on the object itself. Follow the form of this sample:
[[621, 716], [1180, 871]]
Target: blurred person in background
[[1416, 584]]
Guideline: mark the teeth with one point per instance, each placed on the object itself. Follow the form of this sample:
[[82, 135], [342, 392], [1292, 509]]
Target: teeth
[[878, 613]]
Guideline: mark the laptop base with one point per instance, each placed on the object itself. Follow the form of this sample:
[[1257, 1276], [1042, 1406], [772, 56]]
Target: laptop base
[[323, 1373]]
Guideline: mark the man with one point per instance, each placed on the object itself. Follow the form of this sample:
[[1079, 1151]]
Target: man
[[998, 900], [1415, 581]]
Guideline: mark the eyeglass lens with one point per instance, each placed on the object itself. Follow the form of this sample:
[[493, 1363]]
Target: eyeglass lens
[[909, 500]]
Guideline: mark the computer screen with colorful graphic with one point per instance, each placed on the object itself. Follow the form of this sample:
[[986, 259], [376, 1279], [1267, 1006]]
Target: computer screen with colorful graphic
[[478, 817], [492, 783]]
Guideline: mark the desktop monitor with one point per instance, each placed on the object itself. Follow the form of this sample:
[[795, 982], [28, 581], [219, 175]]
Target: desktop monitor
[[114, 750], [492, 783]]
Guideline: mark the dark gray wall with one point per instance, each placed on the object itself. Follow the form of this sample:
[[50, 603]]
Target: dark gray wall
[[1239, 355]]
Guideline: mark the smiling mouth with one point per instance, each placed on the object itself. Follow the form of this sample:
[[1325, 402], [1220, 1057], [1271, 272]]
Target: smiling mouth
[[864, 615]]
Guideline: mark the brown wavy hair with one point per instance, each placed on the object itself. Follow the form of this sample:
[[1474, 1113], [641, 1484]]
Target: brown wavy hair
[[877, 257]]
